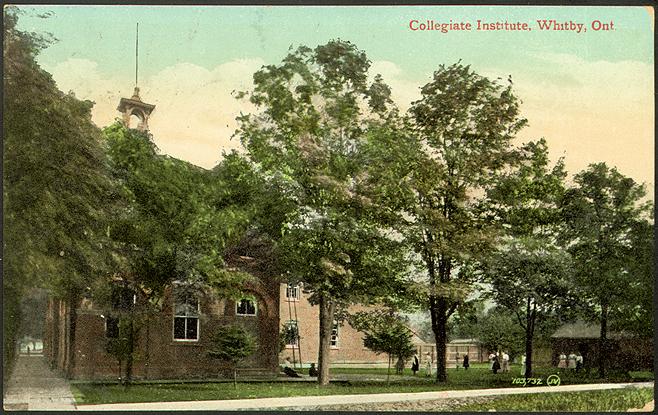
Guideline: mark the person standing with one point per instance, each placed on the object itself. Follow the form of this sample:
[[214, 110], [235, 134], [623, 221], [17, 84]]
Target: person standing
[[571, 363], [505, 362], [562, 361], [428, 365], [466, 364], [492, 355], [496, 365], [523, 365], [415, 365], [579, 362]]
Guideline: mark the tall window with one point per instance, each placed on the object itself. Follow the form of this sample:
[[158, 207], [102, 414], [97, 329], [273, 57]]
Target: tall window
[[245, 307], [111, 327], [291, 333], [334, 335], [292, 292], [186, 318]]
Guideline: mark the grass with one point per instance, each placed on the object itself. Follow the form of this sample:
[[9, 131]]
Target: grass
[[595, 401], [93, 394], [358, 381], [643, 375]]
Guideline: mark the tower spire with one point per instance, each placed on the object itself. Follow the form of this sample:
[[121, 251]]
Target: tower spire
[[134, 105], [136, 53]]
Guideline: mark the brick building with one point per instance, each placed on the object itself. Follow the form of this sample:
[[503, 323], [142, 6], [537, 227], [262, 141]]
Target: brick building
[[172, 343], [346, 342]]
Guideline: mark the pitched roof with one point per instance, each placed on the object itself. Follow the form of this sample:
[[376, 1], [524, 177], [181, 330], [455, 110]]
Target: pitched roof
[[464, 341]]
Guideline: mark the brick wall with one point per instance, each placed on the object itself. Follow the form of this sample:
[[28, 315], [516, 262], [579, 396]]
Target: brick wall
[[158, 355], [349, 349]]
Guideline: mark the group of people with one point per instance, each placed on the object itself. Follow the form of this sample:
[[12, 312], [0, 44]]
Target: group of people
[[415, 364], [573, 361], [291, 372], [499, 362]]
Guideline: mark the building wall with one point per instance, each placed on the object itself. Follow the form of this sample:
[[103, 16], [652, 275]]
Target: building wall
[[158, 355], [349, 349]]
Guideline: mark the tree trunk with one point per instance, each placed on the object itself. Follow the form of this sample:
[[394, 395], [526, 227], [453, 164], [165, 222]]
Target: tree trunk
[[529, 333], [327, 309], [528, 353], [235, 377], [603, 344], [131, 350], [147, 345], [388, 373], [438, 313], [73, 319]]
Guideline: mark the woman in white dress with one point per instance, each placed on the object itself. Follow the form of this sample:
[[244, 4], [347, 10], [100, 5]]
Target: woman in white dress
[[562, 363], [571, 362]]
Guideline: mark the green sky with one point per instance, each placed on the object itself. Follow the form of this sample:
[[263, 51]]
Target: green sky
[[589, 94]]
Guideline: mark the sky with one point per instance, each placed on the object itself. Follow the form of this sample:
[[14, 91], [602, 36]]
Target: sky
[[589, 94]]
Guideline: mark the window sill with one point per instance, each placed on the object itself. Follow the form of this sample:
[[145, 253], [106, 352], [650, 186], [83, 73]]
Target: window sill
[[185, 342]]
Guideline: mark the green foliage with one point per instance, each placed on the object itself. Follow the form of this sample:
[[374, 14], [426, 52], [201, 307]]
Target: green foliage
[[232, 344], [57, 194], [529, 273], [499, 330], [177, 224], [605, 213], [458, 143], [601, 210], [385, 332], [288, 334], [122, 347], [635, 314], [315, 112]]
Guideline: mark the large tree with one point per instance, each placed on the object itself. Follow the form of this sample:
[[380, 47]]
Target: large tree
[[57, 194], [315, 112], [603, 211], [529, 272], [530, 277], [462, 129]]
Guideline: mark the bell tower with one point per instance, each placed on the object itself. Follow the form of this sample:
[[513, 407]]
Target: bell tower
[[134, 105]]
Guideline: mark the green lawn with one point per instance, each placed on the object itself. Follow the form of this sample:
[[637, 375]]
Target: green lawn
[[93, 394], [354, 381], [617, 400]]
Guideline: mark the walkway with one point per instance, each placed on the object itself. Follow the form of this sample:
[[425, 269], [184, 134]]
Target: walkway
[[304, 401], [33, 386]]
